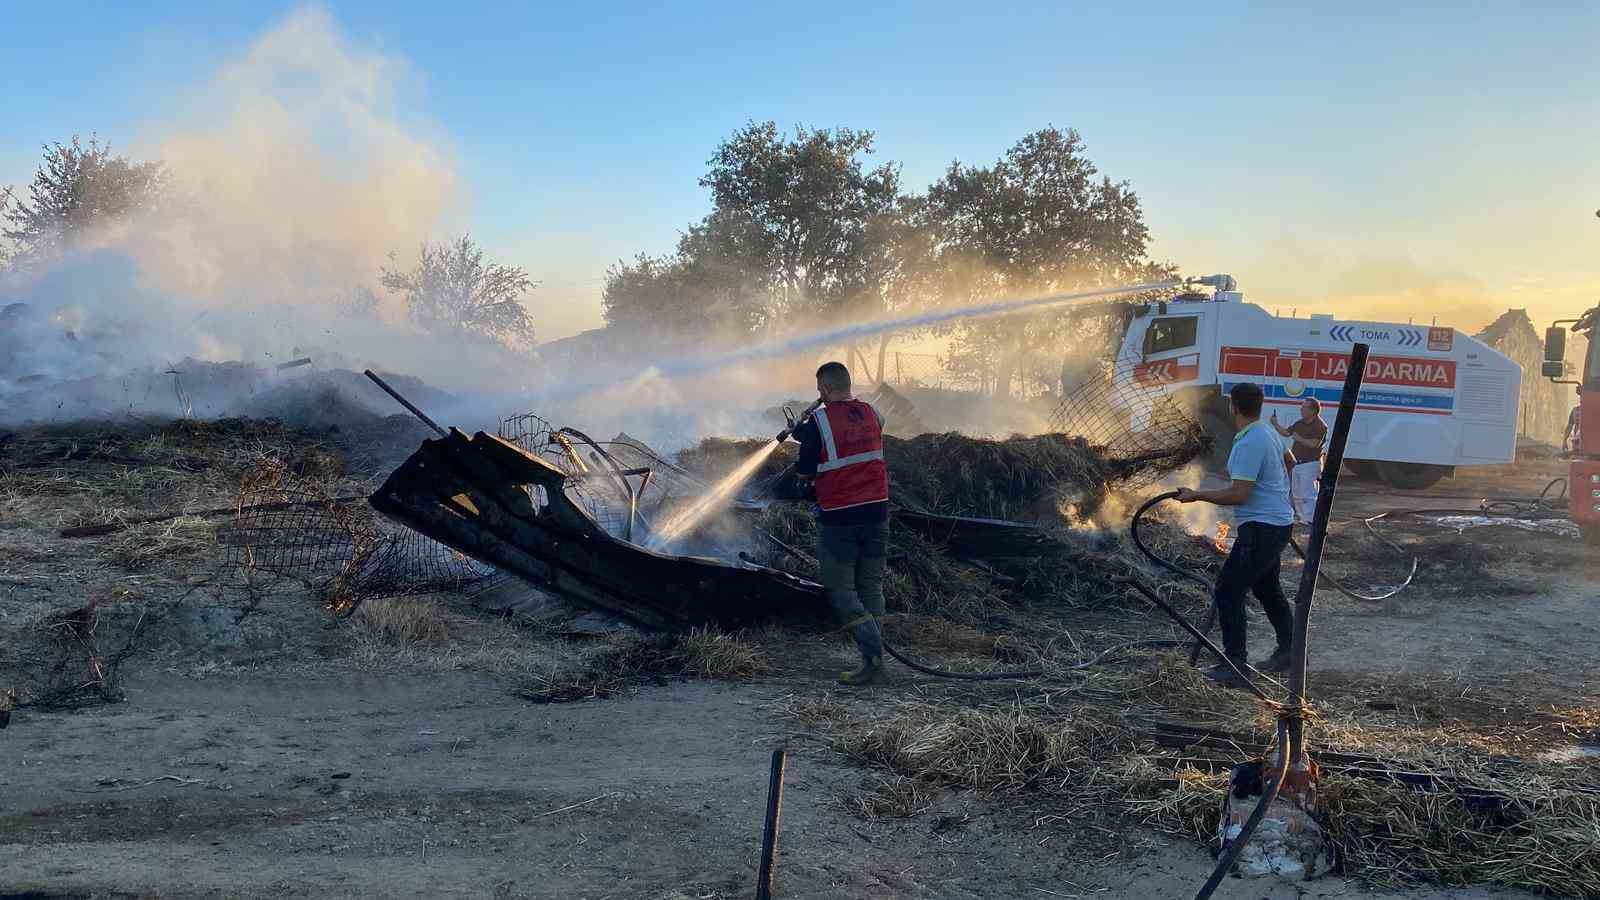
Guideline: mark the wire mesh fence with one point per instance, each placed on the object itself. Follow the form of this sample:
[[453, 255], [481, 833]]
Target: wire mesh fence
[[1132, 424], [338, 547]]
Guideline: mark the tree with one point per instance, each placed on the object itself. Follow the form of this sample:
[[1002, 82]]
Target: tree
[[799, 228], [453, 292], [1041, 219], [712, 284], [361, 302], [807, 210], [75, 189]]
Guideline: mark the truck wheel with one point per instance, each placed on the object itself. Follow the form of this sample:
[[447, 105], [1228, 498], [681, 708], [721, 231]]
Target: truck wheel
[[1410, 476], [1362, 468]]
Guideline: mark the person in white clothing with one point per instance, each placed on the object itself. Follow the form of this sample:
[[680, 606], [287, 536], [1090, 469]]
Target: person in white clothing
[[1306, 437]]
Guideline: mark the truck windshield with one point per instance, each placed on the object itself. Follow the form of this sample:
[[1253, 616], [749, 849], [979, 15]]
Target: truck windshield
[[1171, 333]]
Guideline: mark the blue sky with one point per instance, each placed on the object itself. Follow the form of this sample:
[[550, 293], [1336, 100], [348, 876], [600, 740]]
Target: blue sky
[[1431, 160]]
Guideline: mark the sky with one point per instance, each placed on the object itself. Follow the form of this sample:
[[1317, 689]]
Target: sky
[[1413, 161]]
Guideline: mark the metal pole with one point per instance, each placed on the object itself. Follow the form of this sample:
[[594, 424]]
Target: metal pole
[[769, 835], [1319, 530], [1294, 728], [406, 403]]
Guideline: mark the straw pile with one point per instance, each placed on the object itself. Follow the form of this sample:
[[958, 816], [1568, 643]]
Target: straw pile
[[1020, 478], [1034, 480]]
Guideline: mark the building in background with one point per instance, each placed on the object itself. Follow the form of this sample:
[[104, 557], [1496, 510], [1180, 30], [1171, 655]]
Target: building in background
[[1544, 405]]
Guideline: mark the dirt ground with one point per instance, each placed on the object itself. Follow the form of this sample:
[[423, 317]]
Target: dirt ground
[[277, 754]]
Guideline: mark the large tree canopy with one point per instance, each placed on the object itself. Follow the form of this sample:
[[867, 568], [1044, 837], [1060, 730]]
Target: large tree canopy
[[453, 291], [802, 231], [74, 189], [1040, 219], [808, 208], [799, 229]]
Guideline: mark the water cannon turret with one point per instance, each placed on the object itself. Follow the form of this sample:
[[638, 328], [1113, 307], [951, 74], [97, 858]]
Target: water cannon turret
[[1220, 282]]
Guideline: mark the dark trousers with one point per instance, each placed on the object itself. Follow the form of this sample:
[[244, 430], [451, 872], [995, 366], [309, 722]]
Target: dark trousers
[[1253, 567], [853, 559]]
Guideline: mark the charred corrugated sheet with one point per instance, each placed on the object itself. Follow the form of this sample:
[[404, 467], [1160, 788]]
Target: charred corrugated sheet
[[495, 502]]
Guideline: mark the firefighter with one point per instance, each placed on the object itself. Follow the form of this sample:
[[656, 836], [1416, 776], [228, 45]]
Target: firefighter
[[1263, 519], [1306, 436], [841, 454]]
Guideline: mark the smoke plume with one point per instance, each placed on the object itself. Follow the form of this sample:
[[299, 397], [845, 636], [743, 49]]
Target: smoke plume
[[296, 176]]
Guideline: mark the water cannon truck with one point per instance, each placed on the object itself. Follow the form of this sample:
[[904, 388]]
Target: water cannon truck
[[1432, 398]]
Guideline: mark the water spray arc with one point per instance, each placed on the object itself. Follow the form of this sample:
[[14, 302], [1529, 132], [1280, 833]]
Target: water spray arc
[[687, 519], [691, 366]]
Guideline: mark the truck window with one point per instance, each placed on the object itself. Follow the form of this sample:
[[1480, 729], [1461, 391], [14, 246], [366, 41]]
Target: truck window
[[1171, 333]]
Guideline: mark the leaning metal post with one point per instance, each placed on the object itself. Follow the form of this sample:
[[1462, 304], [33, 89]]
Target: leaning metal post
[[769, 834], [1289, 769], [1313, 561], [406, 403]]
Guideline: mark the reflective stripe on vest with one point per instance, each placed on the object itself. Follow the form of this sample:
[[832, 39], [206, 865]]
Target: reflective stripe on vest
[[830, 453], [859, 478]]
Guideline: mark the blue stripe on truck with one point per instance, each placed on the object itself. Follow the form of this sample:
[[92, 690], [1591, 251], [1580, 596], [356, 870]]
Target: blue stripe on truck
[[1401, 401]]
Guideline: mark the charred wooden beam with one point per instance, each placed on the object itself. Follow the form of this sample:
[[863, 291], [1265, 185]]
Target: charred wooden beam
[[494, 502]]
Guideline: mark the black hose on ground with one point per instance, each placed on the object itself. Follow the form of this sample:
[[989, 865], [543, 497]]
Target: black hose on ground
[[1133, 529], [1023, 675], [1099, 658], [1353, 594], [1210, 587]]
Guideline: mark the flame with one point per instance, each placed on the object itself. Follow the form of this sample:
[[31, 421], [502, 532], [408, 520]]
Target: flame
[[1221, 540]]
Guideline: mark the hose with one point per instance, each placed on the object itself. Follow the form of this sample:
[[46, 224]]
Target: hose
[[1269, 793], [1022, 675], [1099, 658], [1210, 587], [1339, 586]]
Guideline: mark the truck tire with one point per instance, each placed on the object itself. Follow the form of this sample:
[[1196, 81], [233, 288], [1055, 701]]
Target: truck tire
[[1410, 476], [1362, 468]]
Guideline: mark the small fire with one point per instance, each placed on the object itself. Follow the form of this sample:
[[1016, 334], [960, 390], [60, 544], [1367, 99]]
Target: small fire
[[1221, 540]]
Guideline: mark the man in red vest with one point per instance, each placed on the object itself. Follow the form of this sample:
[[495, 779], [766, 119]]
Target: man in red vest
[[841, 454]]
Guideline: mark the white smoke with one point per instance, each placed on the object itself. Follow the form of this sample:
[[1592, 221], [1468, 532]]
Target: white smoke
[[296, 178]]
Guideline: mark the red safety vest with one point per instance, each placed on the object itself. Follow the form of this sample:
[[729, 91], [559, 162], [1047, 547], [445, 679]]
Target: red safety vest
[[851, 471]]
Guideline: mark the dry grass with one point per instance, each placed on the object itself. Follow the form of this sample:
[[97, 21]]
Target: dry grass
[[1081, 743], [1546, 839], [892, 796], [397, 621], [183, 538], [420, 634], [622, 662], [1000, 747], [708, 653]]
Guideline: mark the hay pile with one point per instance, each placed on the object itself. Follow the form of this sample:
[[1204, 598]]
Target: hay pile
[[1040, 480], [1020, 478]]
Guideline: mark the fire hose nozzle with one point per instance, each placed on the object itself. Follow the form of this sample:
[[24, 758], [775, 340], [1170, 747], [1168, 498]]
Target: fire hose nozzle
[[796, 421]]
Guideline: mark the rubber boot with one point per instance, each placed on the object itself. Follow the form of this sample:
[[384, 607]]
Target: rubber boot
[[1278, 662], [871, 672], [870, 642], [1223, 675]]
